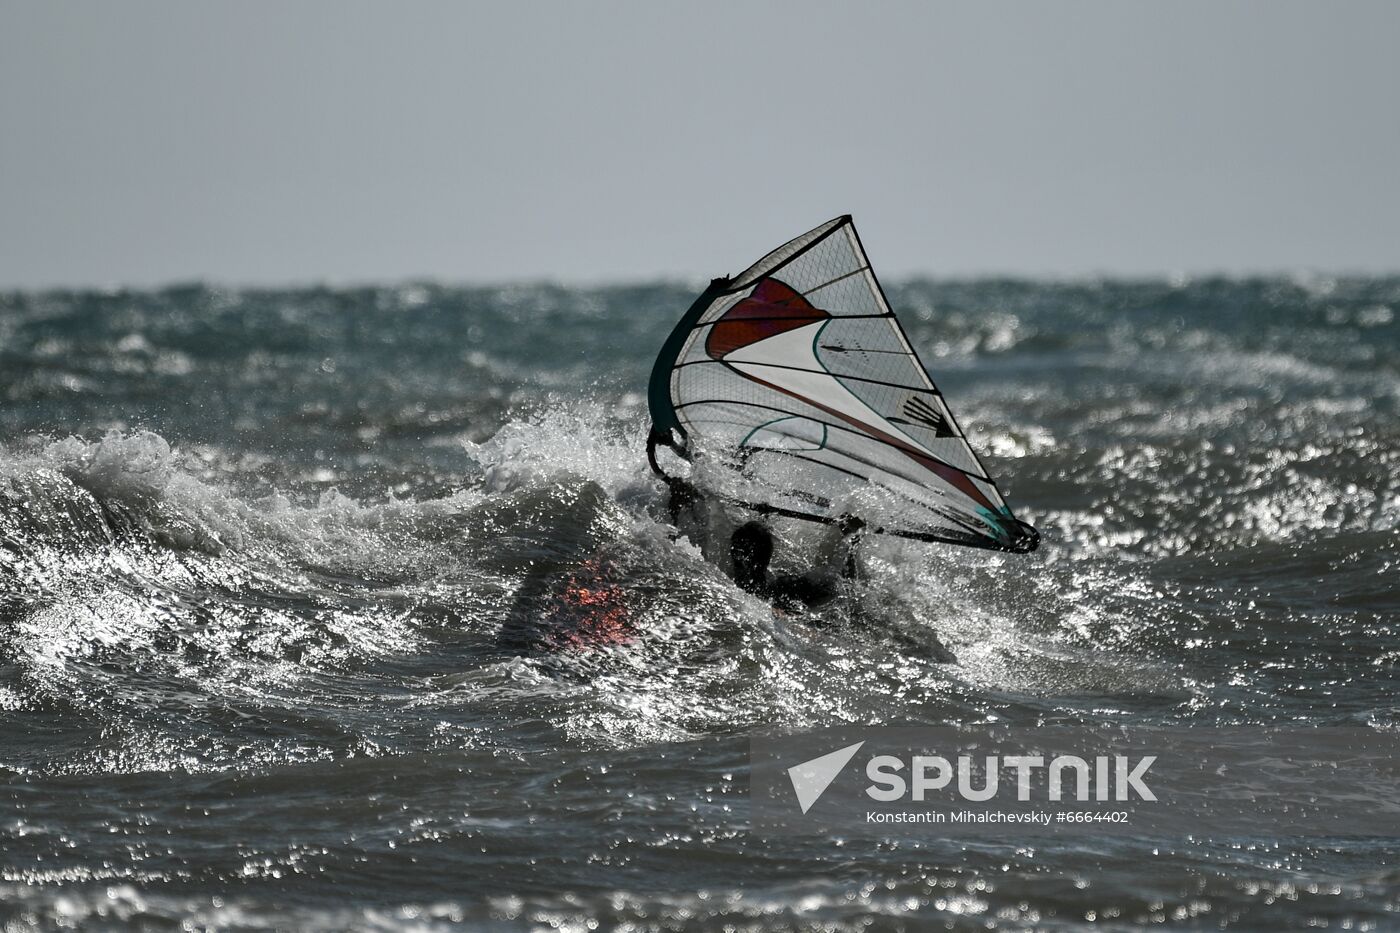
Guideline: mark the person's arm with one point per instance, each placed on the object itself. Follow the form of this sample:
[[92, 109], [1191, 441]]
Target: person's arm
[[836, 560], [682, 497], [836, 556], [852, 529]]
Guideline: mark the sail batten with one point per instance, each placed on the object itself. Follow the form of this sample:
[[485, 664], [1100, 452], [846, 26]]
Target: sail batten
[[798, 363]]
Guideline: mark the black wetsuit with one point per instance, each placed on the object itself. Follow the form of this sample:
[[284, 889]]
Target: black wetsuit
[[799, 593], [793, 592], [683, 497]]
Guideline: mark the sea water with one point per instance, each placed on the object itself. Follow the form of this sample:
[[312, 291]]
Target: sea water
[[264, 555]]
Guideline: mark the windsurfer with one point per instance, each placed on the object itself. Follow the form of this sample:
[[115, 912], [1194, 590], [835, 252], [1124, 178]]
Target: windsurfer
[[751, 550]]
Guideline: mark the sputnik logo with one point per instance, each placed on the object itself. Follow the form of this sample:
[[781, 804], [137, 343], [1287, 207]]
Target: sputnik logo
[[811, 778]]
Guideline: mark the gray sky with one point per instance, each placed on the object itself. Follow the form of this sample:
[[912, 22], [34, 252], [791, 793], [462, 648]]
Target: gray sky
[[146, 142]]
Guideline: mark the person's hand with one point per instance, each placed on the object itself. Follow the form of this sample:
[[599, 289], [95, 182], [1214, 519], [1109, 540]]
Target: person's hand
[[683, 494], [849, 524]]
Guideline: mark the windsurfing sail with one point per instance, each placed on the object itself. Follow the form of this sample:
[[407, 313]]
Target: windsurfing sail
[[797, 374]]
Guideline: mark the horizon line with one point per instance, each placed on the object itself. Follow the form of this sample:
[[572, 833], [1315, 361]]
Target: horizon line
[[1174, 278]]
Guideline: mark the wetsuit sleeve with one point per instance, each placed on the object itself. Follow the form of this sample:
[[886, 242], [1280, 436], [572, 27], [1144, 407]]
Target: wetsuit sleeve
[[837, 556], [683, 498]]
